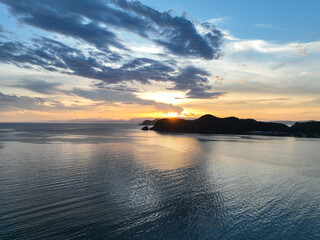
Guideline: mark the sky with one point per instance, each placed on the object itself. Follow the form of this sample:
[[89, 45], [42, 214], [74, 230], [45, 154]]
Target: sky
[[100, 60]]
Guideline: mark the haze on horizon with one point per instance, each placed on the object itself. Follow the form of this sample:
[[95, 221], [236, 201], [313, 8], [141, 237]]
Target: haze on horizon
[[99, 59]]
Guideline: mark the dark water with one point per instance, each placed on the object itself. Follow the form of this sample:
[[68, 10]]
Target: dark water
[[91, 181]]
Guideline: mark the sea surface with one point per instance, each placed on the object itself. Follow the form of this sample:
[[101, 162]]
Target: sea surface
[[109, 181]]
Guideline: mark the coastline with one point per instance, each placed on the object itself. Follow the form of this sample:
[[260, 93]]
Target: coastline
[[209, 124]]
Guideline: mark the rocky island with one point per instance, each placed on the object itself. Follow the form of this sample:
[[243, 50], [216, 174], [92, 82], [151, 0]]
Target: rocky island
[[210, 124]]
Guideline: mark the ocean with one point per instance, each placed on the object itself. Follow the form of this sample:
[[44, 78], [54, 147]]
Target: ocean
[[114, 181]]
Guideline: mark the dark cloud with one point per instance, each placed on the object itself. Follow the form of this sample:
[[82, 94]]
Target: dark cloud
[[116, 87], [13, 102], [45, 15], [4, 32], [194, 80], [8, 49], [39, 86], [55, 56], [141, 70], [8, 102], [178, 34], [52, 56], [200, 93], [95, 21]]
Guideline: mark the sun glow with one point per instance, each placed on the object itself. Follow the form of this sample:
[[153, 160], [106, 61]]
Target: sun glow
[[174, 114], [165, 97]]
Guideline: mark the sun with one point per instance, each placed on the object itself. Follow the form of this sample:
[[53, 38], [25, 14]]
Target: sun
[[174, 115]]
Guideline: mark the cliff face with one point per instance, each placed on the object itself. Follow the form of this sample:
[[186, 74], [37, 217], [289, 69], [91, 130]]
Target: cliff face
[[212, 124]]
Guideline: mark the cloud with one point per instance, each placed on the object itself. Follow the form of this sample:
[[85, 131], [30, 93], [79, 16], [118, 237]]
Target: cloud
[[52, 55], [95, 21], [95, 94], [8, 102], [271, 99], [99, 96], [260, 101], [104, 57], [49, 17], [316, 100], [57, 57], [301, 50], [4, 32], [261, 46], [194, 80], [14, 102], [218, 79], [39, 86], [126, 98], [216, 20]]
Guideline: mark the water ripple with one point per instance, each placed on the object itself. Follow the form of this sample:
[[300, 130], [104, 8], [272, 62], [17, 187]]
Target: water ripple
[[116, 182]]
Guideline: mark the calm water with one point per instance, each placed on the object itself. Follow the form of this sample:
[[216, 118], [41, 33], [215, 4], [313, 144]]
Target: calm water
[[91, 181]]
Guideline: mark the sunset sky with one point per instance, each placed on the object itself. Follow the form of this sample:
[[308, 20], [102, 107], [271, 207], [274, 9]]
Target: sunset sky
[[119, 60]]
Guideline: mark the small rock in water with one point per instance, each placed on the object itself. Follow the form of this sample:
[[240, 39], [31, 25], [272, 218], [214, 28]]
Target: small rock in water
[[145, 128]]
